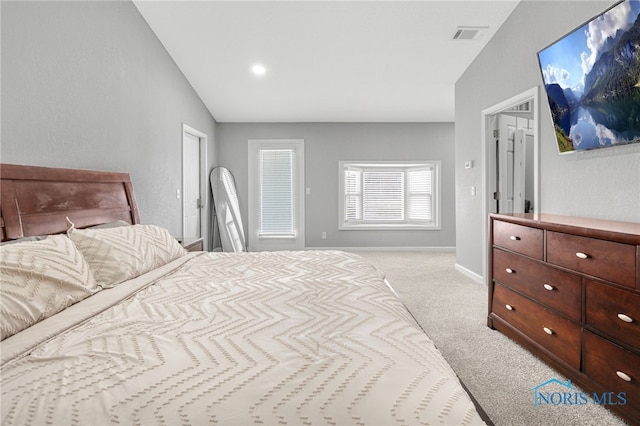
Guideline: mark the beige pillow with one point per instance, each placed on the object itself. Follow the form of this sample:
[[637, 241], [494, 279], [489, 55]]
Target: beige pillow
[[39, 279], [118, 254]]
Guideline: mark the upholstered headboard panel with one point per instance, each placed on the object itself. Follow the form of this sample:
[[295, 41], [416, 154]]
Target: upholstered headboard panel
[[36, 200]]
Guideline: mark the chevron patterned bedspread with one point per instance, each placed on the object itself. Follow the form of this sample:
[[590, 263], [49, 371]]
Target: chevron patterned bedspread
[[269, 338]]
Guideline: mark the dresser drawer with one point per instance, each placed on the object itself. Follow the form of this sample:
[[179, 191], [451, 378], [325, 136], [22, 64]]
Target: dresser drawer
[[519, 238], [608, 260], [558, 289], [556, 334], [614, 311], [617, 369]]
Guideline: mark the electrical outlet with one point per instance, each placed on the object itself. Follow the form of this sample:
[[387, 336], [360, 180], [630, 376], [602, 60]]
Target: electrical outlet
[[178, 194], [324, 235]]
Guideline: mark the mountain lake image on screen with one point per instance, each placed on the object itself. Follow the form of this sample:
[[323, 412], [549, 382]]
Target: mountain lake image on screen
[[592, 81]]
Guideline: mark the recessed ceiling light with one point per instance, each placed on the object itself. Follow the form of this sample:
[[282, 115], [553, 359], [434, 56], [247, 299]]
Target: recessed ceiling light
[[258, 69]]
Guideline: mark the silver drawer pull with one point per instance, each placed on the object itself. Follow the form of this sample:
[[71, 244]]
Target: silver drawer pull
[[623, 376], [582, 255], [625, 318], [548, 331], [514, 238], [549, 287], [509, 307], [510, 271]]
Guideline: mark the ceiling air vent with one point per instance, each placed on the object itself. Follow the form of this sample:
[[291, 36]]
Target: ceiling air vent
[[470, 33]]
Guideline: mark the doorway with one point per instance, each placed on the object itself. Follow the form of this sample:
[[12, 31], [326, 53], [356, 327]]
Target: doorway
[[511, 180], [194, 178], [511, 175]]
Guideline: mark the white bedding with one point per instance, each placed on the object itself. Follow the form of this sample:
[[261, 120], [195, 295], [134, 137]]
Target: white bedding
[[299, 338]]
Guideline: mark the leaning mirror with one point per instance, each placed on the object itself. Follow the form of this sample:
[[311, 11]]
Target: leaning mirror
[[227, 211]]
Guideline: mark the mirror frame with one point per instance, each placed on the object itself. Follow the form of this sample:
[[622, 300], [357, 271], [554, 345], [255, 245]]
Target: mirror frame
[[226, 211]]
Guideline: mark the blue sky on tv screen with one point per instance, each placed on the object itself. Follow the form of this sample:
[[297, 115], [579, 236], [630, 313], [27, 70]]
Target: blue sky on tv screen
[[568, 60]]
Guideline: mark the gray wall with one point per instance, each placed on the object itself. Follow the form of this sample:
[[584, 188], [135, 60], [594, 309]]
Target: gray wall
[[600, 184], [88, 85], [328, 143]]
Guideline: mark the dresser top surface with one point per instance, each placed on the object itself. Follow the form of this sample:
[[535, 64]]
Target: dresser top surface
[[627, 231]]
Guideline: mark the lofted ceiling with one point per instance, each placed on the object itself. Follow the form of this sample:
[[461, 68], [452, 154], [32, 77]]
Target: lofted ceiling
[[325, 61]]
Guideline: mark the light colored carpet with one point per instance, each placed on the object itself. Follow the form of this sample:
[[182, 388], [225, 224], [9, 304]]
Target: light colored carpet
[[499, 373]]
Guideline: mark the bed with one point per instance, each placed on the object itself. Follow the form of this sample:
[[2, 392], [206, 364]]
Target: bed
[[109, 321]]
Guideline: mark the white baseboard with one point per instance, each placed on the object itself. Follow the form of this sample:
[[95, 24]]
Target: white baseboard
[[470, 274], [398, 249]]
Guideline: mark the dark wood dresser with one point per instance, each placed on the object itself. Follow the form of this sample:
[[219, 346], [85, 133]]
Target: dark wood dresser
[[568, 289]]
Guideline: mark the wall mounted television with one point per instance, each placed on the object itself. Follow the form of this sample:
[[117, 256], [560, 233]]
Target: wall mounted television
[[592, 80]]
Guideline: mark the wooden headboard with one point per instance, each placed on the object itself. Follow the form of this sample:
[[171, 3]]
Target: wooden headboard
[[36, 200]]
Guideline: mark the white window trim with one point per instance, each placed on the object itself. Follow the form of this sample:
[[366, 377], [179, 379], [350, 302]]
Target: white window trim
[[258, 241], [433, 225]]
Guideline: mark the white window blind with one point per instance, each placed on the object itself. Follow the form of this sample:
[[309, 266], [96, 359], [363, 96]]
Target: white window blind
[[353, 194], [276, 192], [389, 195], [420, 194], [383, 195]]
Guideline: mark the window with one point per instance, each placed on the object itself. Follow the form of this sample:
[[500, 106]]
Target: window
[[389, 195], [276, 193], [276, 205]]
